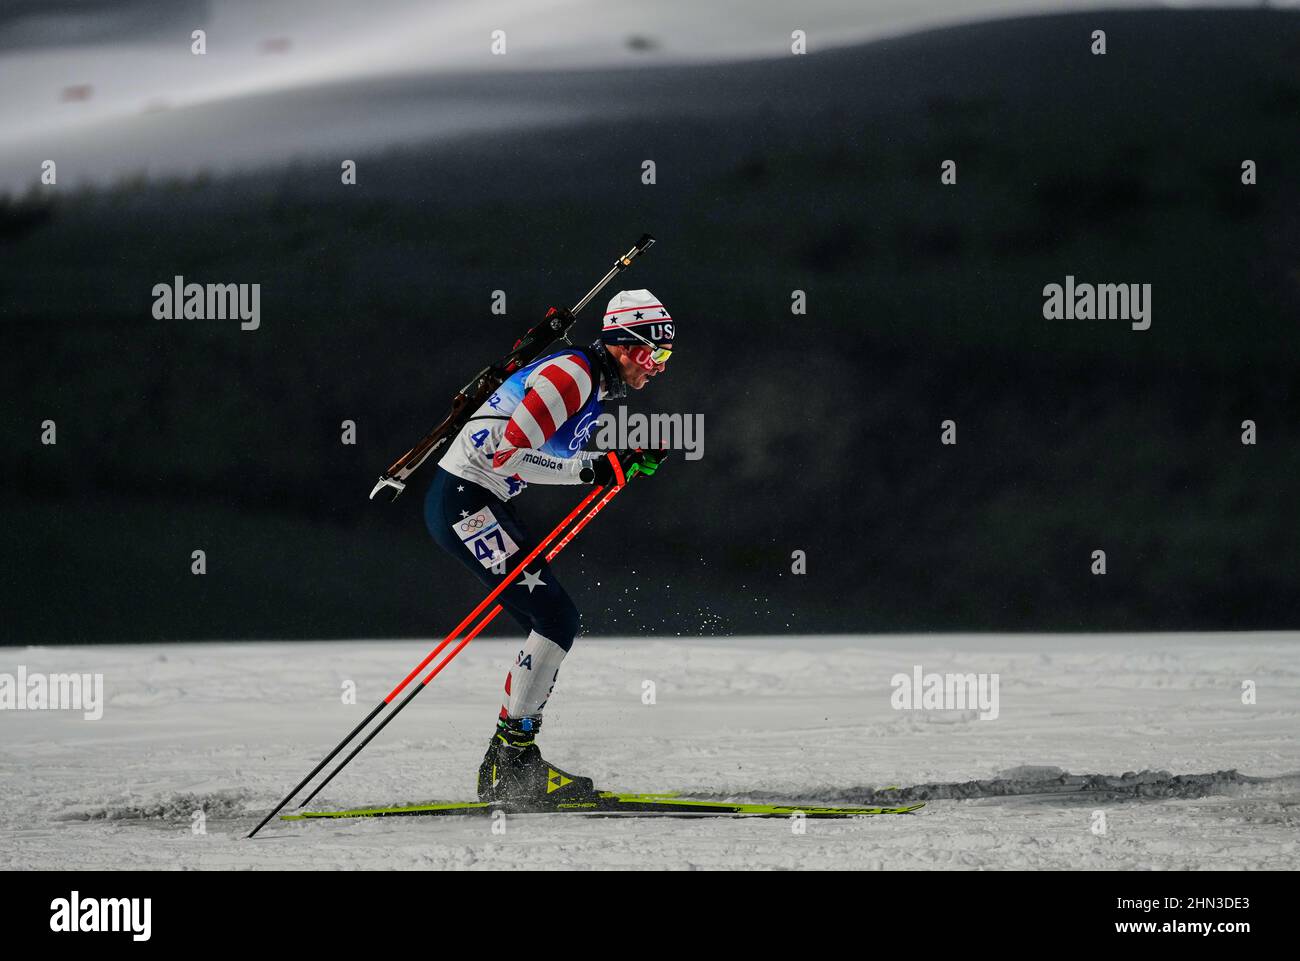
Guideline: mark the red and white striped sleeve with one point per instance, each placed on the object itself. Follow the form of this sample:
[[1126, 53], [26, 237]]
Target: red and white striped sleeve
[[558, 390]]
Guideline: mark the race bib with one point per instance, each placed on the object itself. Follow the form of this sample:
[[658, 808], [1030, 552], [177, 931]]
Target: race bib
[[484, 537]]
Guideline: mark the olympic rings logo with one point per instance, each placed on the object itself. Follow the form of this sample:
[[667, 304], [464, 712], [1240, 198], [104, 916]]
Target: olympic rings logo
[[474, 523]]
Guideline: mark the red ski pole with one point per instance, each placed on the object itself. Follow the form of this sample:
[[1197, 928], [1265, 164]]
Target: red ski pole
[[595, 492], [550, 556], [474, 633]]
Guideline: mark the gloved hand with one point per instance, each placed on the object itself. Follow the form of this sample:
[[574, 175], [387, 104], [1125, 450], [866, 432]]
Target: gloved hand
[[621, 467]]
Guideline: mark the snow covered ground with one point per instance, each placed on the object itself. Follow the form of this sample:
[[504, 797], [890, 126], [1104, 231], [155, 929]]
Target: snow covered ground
[[228, 728]]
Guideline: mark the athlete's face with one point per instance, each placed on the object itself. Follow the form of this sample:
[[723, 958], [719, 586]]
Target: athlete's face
[[636, 365]]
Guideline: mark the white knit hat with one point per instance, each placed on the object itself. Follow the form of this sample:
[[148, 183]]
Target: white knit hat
[[640, 311]]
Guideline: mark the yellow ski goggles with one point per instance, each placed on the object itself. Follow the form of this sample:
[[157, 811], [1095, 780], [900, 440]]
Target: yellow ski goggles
[[658, 354]]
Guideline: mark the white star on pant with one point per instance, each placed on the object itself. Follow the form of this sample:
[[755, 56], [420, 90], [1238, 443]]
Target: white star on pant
[[464, 514], [460, 488], [531, 580]]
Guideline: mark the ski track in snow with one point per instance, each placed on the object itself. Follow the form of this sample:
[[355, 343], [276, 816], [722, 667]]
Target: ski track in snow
[[230, 727]]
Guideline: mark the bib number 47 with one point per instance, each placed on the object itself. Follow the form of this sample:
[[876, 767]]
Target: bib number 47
[[485, 538]]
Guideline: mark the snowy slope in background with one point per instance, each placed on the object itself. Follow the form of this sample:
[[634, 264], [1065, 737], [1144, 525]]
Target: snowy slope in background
[[113, 89], [230, 727]]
